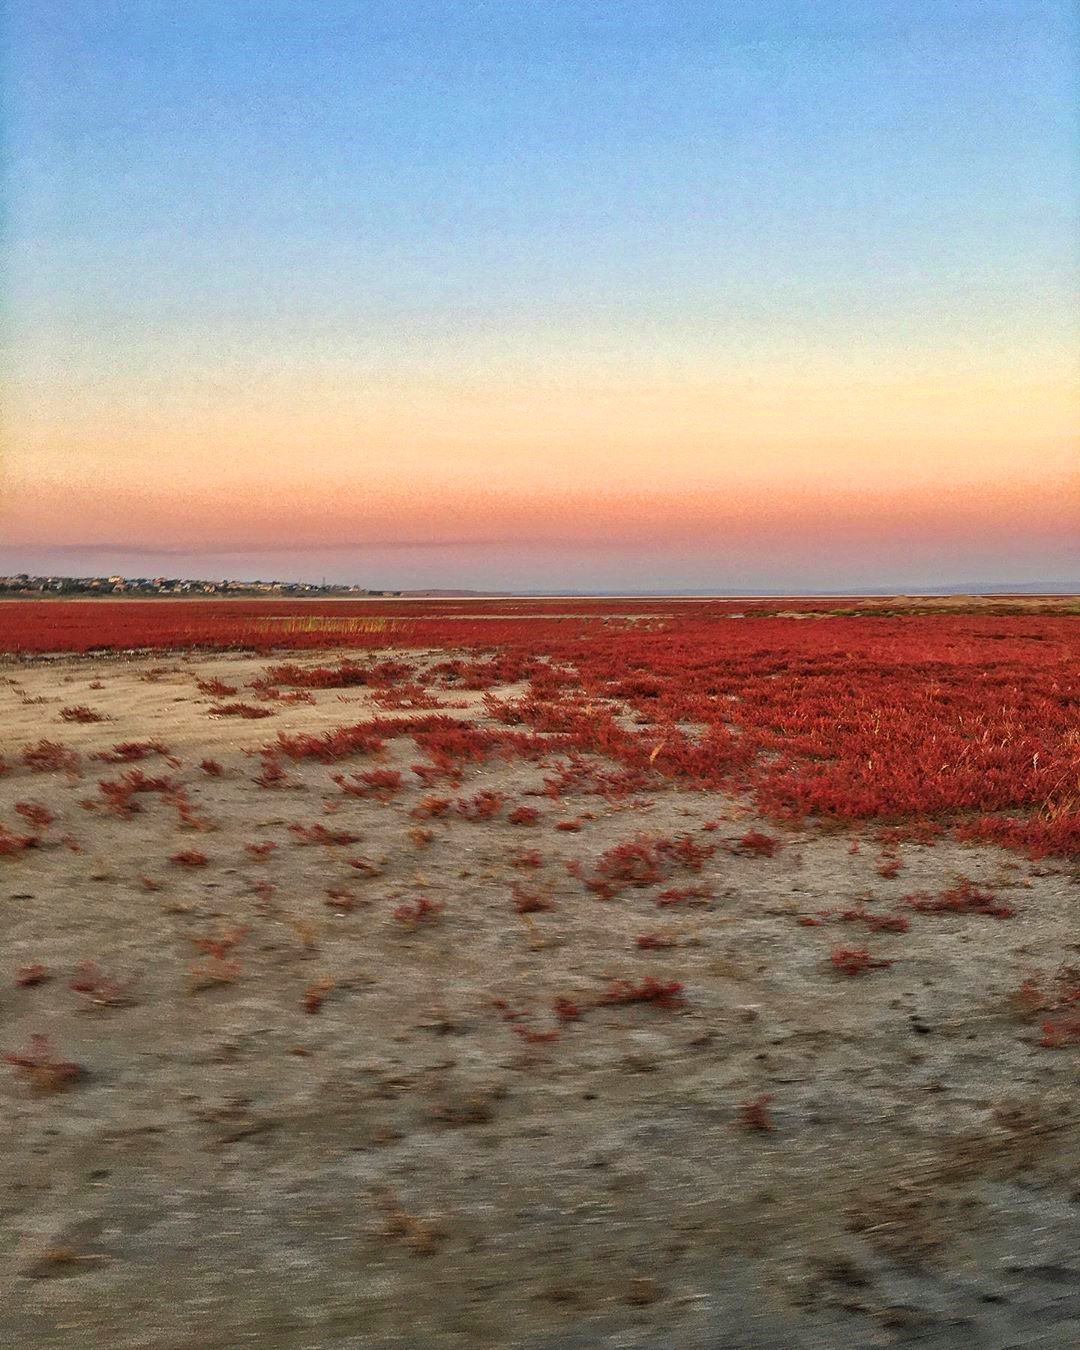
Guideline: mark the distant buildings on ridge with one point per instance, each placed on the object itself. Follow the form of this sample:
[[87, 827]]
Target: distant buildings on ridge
[[26, 585]]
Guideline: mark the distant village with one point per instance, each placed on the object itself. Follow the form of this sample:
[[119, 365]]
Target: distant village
[[24, 585]]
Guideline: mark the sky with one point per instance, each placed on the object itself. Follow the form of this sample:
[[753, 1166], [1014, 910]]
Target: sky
[[587, 294]]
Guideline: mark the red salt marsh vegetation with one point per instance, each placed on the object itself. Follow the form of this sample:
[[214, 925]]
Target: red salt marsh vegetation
[[537, 969]]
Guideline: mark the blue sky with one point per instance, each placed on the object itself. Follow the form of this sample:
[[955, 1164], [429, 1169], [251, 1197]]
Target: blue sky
[[341, 208]]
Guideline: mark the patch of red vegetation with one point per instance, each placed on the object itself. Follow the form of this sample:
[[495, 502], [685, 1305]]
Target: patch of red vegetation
[[189, 857], [963, 898], [754, 1114], [856, 960], [44, 1069], [658, 993]]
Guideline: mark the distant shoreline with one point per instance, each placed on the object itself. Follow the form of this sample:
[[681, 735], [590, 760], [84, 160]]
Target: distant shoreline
[[501, 597]]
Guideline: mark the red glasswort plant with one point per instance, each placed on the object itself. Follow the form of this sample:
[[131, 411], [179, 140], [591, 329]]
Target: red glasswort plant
[[963, 898], [658, 993], [380, 783], [51, 757], [855, 960], [81, 713], [189, 857], [756, 845], [319, 834], [28, 976], [754, 1114], [37, 816], [41, 1065], [419, 912]]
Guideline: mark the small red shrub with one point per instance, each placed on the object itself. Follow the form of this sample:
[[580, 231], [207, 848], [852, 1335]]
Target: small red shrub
[[38, 816], [127, 752], [566, 1010], [50, 757], [963, 898], [100, 990], [675, 895], [189, 857], [271, 775], [315, 994], [650, 990], [651, 942], [216, 687], [81, 713], [754, 1115], [483, 806], [430, 807], [41, 1066], [528, 857], [382, 783], [340, 899], [12, 844], [855, 960], [319, 834], [757, 845], [528, 902], [418, 912], [28, 976]]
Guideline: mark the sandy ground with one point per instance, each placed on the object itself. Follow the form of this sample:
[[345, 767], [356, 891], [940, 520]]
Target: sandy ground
[[401, 1169]]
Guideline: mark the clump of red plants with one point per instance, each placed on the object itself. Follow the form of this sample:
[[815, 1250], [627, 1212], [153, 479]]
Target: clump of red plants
[[100, 990], [754, 1114], [119, 793], [483, 806], [694, 895], [189, 857], [655, 941], [643, 860], [37, 816], [530, 902], [271, 775], [1059, 996], [12, 844], [317, 992], [380, 783], [217, 965], [319, 834], [962, 898], [51, 757], [127, 752], [417, 913], [43, 1068], [81, 713], [430, 807], [26, 977], [527, 857], [216, 687], [657, 993], [877, 923], [756, 845], [855, 960]]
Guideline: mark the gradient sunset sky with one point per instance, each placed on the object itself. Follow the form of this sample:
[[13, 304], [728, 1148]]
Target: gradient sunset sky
[[612, 294]]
